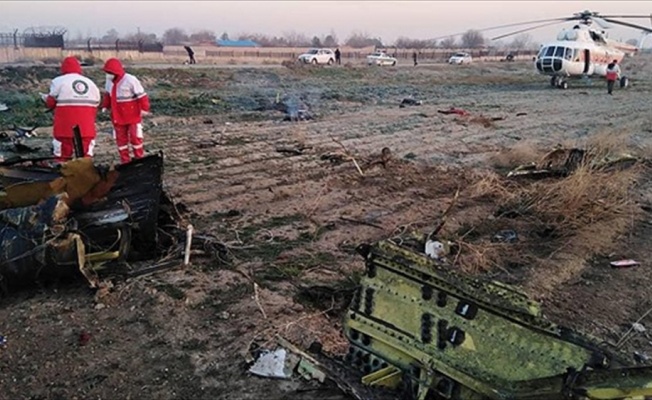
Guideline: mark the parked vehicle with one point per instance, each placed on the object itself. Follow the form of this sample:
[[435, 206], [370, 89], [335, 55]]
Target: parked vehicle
[[460, 58], [380, 58], [318, 56]]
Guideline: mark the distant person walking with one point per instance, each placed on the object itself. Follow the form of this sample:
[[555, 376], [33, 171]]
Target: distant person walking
[[613, 73], [415, 57], [191, 55], [126, 98], [338, 56]]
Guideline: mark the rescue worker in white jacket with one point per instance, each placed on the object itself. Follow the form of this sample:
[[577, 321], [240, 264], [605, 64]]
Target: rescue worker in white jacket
[[74, 99]]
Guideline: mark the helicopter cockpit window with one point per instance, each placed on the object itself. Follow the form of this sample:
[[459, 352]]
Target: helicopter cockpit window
[[576, 54], [568, 54], [550, 51], [559, 52]]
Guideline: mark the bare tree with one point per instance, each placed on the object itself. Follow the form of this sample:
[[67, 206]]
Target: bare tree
[[330, 40], [472, 39], [225, 36], [522, 42], [407, 43], [175, 36], [110, 36], [448, 43], [203, 36], [295, 39], [316, 42], [142, 37], [363, 39]]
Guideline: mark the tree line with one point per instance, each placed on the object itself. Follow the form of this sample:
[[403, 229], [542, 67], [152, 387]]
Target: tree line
[[471, 39]]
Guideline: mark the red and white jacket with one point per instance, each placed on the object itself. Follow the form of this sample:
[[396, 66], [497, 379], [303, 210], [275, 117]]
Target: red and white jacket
[[74, 99], [125, 95]]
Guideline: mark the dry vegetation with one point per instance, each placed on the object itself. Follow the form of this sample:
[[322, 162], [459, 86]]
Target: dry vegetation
[[561, 222], [293, 218]]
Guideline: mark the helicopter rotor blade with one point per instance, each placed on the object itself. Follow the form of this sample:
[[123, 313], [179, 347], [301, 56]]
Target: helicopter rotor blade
[[629, 24], [524, 30], [625, 16], [602, 22], [509, 26]]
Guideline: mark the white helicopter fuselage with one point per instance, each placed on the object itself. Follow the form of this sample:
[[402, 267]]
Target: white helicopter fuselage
[[580, 52]]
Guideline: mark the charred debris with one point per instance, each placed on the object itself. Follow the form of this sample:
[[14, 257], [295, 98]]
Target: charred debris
[[79, 220]]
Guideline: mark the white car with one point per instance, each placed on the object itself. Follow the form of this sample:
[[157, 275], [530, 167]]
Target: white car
[[460, 58], [318, 56], [380, 58]]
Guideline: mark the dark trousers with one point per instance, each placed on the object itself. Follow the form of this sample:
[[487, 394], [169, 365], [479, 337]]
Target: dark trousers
[[610, 86]]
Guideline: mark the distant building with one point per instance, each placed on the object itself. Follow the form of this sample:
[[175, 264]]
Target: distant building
[[236, 43]]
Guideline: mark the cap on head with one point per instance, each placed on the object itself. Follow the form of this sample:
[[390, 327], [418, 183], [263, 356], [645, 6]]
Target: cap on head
[[71, 65], [114, 66]]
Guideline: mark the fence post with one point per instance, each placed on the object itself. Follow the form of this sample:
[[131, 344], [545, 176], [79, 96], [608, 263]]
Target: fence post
[[88, 46], [117, 48], [16, 39]]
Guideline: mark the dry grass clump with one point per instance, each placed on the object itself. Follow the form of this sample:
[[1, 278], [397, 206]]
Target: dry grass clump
[[561, 222], [520, 154]]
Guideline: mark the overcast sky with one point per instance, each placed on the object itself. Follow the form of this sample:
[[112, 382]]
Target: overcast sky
[[385, 19]]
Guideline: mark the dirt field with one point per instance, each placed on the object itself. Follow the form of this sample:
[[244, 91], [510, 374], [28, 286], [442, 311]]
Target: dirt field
[[292, 221]]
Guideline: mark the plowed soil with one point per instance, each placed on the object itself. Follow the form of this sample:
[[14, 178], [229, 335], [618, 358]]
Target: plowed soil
[[292, 219]]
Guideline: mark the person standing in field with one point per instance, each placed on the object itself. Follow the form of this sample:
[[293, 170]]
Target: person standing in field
[[74, 99], [613, 73], [414, 58], [338, 56], [191, 55], [128, 102]]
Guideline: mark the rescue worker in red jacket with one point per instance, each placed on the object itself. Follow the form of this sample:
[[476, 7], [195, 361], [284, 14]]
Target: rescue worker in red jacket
[[613, 73], [128, 102], [74, 99]]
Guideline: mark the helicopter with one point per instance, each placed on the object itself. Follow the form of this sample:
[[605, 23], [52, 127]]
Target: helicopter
[[582, 51]]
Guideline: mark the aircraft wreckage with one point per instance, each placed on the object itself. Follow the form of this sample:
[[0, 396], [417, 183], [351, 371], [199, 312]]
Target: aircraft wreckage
[[60, 220], [416, 325]]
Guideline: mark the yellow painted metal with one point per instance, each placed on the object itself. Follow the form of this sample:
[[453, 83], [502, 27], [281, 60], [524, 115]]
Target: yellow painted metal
[[388, 377], [412, 313]]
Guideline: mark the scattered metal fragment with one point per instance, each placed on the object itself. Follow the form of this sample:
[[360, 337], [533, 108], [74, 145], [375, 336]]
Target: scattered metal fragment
[[296, 151], [505, 236], [271, 364], [3, 341], [624, 263], [521, 114], [310, 371], [334, 158], [186, 253], [208, 144], [4, 107], [561, 162], [435, 249], [641, 357], [410, 102], [453, 110], [638, 327]]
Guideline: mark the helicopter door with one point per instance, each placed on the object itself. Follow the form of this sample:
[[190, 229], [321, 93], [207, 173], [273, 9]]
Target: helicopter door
[[587, 60]]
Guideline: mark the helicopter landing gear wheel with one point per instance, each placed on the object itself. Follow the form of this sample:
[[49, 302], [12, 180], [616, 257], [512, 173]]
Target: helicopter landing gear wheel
[[624, 82], [554, 81], [562, 84]]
